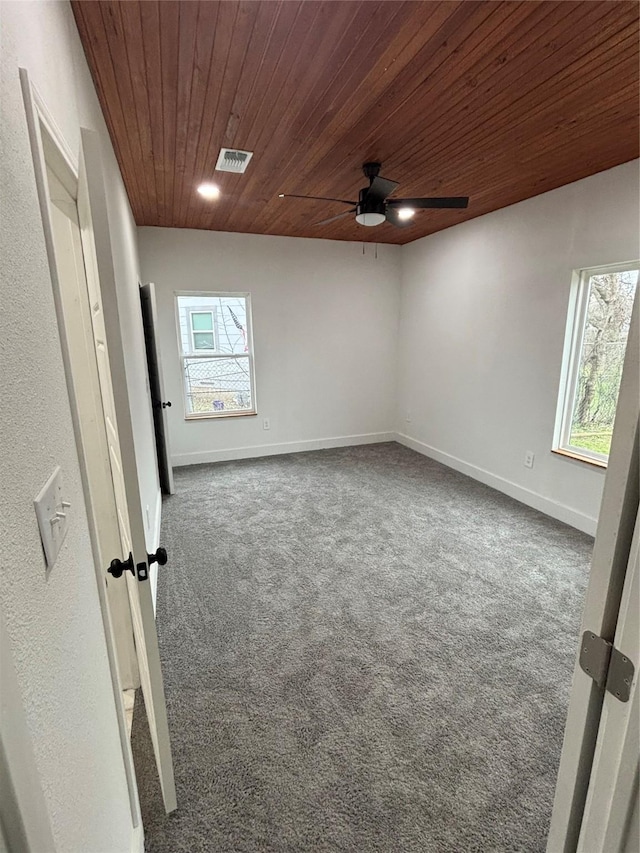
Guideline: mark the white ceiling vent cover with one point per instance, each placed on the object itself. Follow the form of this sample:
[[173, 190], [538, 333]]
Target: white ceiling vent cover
[[232, 160]]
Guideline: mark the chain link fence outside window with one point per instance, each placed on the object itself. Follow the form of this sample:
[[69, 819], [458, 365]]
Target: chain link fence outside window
[[218, 385]]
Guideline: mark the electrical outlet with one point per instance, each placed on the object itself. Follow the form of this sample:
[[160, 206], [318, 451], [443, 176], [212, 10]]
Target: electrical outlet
[[266, 423], [529, 458]]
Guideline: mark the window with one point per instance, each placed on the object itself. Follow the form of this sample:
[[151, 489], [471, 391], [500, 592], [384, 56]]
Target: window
[[216, 357], [597, 331]]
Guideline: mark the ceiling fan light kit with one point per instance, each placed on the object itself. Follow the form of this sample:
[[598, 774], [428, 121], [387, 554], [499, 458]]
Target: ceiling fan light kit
[[370, 218], [405, 213], [375, 207]]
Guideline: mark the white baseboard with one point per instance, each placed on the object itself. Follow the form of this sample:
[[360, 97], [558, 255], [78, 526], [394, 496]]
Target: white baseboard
[[564, 513], [550, 507], [228, 454], [137, 840], [155, 542]]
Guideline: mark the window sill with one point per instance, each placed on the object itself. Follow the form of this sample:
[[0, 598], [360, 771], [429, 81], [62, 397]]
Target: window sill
[[570, 454], [212, 416]]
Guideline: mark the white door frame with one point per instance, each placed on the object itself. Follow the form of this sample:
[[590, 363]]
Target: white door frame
[[45, 135]]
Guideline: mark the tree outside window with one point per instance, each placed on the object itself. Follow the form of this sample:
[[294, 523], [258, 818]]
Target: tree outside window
[[599, 332]]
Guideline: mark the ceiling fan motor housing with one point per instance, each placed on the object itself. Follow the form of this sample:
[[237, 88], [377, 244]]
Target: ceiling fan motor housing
[[366, 204], [369, 211]]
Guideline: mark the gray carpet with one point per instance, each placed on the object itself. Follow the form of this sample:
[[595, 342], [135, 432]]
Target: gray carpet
[[363, 651]]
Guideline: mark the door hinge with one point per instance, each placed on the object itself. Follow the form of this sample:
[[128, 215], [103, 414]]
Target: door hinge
[[607, 666]]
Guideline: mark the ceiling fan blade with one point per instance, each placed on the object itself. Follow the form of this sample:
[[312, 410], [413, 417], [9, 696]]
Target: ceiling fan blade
[[333, 218], [316, 198], [430, 203], [391, 215], [381, 188]]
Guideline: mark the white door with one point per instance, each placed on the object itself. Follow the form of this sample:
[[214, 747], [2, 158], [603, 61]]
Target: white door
[[102, 509], [92, 214], [610, 565], [613, 788]]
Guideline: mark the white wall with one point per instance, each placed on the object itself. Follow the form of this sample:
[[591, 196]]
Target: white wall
[[482, 323], [484, 308], [325, 332], [54, 623]]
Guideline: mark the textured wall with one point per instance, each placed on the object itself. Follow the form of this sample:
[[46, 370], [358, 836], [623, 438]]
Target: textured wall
[[325, 321], [54, 623], [484, 308]]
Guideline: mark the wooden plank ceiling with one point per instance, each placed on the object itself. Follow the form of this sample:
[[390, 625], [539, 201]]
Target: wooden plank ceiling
[[496, 100]]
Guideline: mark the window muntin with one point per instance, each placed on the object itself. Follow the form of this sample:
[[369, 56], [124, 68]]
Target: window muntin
[[597, 332], [214, 334]]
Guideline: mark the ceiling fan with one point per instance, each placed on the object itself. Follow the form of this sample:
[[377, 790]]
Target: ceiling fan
[[375, 207]]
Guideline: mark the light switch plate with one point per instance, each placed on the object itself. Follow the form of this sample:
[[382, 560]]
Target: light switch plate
[[52, 512]]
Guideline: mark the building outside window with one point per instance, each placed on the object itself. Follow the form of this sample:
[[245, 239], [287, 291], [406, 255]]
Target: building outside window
[[597, 331], [201, 324], [216, 354]]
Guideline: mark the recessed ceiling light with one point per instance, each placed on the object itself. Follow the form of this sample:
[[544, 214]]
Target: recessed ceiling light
[[405, 212], [209, 191]]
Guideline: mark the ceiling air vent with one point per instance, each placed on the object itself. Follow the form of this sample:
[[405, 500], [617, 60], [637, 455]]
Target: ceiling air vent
[[231, 160]]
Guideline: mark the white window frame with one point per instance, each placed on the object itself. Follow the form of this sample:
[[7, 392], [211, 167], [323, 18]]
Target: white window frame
[[574, 336], [194, 332], [211, 354]]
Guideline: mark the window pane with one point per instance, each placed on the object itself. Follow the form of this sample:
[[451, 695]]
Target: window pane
[[232, 324], [601, 358], [202, 322], [218, 385], [226, 314], [203, 340]]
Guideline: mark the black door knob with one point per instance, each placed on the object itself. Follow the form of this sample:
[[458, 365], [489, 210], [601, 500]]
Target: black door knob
[[117, 567], [167, 405], [160, 557]]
